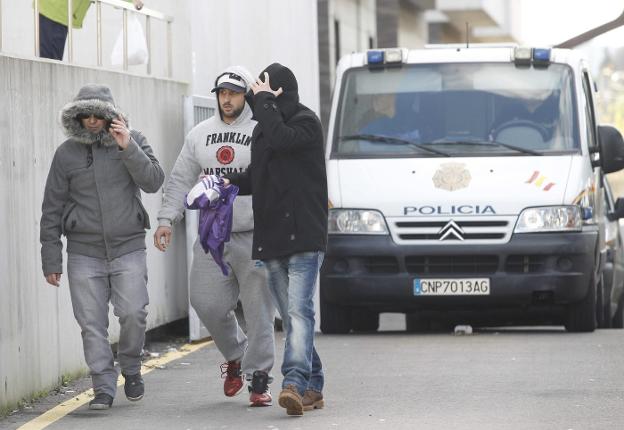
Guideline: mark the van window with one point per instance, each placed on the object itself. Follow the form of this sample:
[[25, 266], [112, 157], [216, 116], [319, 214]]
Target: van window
[[460, 110]]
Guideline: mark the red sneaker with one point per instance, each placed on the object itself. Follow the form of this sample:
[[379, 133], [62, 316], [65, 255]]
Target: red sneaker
[[234, 380]]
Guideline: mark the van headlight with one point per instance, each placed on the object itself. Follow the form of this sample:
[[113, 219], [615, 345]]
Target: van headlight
[[550, 218], [356, 221]]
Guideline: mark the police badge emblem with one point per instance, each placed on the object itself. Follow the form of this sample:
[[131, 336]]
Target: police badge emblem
[[451, 176]]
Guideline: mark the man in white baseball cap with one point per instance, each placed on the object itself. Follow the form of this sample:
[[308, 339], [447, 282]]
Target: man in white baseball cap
[[216, 146]]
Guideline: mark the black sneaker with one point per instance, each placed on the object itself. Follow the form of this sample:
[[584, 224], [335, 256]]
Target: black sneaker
[[260, 395], [134, 387], [101, 401]]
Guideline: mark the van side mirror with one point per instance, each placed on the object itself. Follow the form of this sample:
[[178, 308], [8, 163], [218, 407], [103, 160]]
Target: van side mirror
[[618, 211], [611, 148]]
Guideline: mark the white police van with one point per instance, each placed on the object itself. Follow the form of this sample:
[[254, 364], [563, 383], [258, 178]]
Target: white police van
[[469, 179]]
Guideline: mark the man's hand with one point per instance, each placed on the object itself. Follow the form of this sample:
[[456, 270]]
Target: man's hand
[[138, 4], [226, 182], [258, 86], [162, 237], [53, 279], [210, 181], [120, 132]]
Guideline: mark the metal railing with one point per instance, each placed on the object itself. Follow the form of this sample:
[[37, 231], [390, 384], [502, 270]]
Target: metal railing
[[149, 14]]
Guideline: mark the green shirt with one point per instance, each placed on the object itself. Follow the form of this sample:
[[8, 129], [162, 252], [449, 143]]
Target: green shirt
[[56, 10]]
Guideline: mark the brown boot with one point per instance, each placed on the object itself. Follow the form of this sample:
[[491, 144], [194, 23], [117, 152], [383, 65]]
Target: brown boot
[[312, 400], [290, 399]]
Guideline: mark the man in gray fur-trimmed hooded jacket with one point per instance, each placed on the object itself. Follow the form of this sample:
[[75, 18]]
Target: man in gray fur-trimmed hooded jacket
[[93, 197]]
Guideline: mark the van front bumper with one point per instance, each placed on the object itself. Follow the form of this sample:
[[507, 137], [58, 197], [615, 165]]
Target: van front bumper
[[375, 273]]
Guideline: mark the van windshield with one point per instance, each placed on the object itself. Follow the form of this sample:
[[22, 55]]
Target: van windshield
[[459, 110]]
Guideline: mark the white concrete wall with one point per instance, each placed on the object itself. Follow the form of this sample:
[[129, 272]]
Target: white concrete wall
[[357, 21], [535, 21], [207, 37], [39, 338], [19, 38], [413, 28], [357, 24], [255, 34]]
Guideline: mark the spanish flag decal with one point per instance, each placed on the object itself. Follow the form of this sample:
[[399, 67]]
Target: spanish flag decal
[[540, 181]]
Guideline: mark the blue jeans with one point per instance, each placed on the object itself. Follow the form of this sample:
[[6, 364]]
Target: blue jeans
[[292, 281]]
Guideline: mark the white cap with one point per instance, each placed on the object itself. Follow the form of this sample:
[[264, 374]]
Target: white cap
[[231, 81]]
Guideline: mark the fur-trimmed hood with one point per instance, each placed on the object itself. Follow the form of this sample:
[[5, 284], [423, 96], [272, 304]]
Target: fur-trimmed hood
[[92, 99]]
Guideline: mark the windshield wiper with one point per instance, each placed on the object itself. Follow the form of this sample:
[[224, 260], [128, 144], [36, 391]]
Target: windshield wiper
[[489, 143], [375, 138]]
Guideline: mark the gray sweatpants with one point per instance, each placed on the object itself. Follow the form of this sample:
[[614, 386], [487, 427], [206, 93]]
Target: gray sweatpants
[[93, 282], [214, 298]]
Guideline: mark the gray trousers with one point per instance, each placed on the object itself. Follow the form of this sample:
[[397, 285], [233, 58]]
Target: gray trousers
[[93, 282], [214, 298]]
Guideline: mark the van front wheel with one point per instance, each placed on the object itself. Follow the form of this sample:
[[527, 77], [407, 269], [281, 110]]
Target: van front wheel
[[581, 316]]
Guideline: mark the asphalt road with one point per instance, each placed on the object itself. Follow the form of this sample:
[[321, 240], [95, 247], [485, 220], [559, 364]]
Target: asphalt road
[[512, 378]]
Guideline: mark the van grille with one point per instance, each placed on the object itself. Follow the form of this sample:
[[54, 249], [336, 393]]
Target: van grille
[[447, 231], [381, 265], [467, 236], [451, 264], [525, 263]]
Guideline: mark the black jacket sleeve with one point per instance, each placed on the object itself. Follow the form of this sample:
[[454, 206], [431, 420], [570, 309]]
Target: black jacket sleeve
[[242, 180], [293, 137]]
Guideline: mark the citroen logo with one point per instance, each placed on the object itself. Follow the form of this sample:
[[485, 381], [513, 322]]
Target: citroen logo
[[451, 230]]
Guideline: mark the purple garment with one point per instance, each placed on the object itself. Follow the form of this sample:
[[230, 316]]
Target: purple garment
[[215, 222]]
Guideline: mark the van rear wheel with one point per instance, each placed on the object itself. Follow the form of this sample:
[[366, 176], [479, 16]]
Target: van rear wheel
[[335, 319], [581, 316]]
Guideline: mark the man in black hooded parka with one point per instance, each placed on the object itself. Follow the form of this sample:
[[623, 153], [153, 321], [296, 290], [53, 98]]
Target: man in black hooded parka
[[288, 184]]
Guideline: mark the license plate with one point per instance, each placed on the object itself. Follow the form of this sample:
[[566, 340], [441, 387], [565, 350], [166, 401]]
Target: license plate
[[452, 287]]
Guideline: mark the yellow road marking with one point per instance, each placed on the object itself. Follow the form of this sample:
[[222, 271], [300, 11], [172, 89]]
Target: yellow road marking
[[70, 405]]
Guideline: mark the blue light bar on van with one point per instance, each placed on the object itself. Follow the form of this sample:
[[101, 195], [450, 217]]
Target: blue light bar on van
[[541, 56], [524, 56], [382, 57], [375, 57]]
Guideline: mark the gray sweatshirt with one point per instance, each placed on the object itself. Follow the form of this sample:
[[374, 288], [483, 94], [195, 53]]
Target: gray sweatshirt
[[212, 147], [92, 193]]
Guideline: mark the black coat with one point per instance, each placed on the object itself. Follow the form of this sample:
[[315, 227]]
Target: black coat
[[286, 178]]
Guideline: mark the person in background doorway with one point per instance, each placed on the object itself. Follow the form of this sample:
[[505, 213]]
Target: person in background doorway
[[53, 24], [93, 197]]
